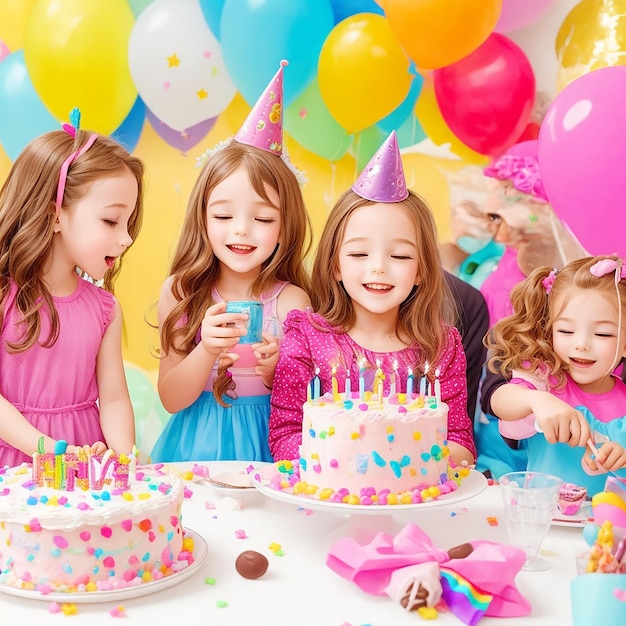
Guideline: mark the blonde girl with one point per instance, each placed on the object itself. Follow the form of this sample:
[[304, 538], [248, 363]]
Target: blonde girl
[[561, 347]]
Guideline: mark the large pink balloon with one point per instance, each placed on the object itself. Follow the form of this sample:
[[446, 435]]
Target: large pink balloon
[[582, 152], [487, 97], [518, 14]]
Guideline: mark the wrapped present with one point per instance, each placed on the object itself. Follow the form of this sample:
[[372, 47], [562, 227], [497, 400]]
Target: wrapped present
[[472, 580]]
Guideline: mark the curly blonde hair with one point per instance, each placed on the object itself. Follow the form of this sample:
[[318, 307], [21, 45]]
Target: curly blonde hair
[[427, 312], [524, 340], [195, 269], [28, 213]]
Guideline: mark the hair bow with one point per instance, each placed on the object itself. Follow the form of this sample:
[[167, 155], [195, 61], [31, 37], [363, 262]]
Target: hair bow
[[74, 124], [548, 281], [607, 266]]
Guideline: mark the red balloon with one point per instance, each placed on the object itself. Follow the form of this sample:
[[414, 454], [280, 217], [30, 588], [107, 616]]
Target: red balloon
[[487, 97]]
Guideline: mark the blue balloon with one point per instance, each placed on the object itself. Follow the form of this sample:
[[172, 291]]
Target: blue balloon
[[23, 116], [212, 10], [398, 116], [345, 8], [256, 35], [410, 132], [130, 129]]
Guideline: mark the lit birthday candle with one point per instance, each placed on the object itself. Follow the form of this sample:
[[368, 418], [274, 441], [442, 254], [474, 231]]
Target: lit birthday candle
[[423, 381], [394, 376], [409, 384], [437, 385], [335, 386], [348, 389], [362, 379], [378, 377]]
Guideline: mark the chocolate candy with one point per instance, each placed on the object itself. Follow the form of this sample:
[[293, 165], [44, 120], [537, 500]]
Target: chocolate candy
[[461, 552], [251, 564]]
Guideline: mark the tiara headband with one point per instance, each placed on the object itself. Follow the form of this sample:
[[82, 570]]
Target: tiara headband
[[71, 129]]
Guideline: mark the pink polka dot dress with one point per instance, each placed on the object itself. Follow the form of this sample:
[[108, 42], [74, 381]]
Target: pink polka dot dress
[[310, 342]]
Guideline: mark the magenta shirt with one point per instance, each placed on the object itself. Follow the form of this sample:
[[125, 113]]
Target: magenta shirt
[[310, 342]]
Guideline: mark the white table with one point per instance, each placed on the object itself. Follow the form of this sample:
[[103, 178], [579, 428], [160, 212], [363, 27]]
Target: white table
[[298, 588]]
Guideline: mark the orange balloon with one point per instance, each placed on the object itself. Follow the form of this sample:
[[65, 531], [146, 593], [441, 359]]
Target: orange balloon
[[363, 73], [436, 33], [436, 129]]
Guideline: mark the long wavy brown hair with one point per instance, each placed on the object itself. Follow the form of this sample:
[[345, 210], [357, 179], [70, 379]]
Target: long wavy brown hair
[[524, 340], [28, 213], [426, 314], [195, 269]]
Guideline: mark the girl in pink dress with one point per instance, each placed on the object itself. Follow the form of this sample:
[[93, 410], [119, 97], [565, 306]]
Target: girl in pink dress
[[381, 297], [71, 206]]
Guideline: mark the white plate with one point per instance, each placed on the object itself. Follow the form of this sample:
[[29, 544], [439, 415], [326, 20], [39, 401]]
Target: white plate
[[584, 516], [114, 595], [471, 486]]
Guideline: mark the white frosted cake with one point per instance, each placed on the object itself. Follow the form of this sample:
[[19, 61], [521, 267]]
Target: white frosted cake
[[70, 523], [371, 452]]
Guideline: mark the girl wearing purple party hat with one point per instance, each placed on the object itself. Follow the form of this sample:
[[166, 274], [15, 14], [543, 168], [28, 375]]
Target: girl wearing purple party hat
[[381, 301], [244, 238]]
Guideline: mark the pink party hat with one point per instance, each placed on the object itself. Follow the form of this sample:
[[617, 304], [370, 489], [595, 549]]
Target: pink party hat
[[263, 127], [382, 180]]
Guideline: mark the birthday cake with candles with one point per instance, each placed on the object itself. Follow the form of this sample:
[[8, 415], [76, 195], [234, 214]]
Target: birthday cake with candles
[[76, 522], [371, 449]]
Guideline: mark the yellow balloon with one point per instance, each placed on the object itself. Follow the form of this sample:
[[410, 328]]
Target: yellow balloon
[[13, 17], [436, 129], [363, 72], [76, 53], [593, 35], [426, 179]]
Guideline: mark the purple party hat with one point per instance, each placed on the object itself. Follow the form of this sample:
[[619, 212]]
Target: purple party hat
[[263, 127], [382, 179]]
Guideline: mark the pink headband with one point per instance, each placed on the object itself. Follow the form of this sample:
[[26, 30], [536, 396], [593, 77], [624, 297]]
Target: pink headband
[[607, 266], [66, 166]]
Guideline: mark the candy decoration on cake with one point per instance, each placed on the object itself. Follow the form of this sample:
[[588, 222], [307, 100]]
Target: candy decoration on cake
[[472, 580]]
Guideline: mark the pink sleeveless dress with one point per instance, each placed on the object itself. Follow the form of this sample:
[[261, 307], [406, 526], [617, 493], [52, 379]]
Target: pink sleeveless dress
[[55, 388]]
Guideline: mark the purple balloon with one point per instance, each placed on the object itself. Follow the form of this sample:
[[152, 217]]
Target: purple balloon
[[182, 140], [581, 152]]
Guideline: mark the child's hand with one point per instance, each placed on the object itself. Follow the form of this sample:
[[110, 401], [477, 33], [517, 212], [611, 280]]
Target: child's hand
[[218, 331], [559, 421], [267, 354], [610, 458]]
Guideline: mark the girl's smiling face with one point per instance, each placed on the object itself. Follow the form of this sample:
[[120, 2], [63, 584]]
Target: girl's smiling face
[[587, 336], [378, 258]]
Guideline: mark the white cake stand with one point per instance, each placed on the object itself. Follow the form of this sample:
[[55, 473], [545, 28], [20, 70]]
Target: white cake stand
[[361, 521]]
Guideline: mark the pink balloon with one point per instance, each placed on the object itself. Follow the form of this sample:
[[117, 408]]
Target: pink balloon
[[487, 97], [582, 152], [518, 14]]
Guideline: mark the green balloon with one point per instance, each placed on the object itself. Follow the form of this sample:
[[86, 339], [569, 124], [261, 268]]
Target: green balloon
[[410, 132], [141, 390], [137, 6], [365, 145], [310, 123]]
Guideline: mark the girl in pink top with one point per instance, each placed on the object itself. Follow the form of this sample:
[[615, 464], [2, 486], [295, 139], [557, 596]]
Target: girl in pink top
[[380, 295], [561, 347], [71, 206]]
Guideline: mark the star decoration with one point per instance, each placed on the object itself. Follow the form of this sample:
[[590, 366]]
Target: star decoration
[[173, 61], [202, 94]]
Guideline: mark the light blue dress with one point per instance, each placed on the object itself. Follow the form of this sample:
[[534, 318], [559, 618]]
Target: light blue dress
[[207, 431]]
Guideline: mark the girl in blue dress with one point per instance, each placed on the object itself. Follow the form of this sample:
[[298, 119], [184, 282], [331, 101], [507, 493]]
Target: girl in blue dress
[[244, 238]]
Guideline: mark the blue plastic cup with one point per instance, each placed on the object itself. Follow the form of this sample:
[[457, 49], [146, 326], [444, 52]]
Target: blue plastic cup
[[254, 324]]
